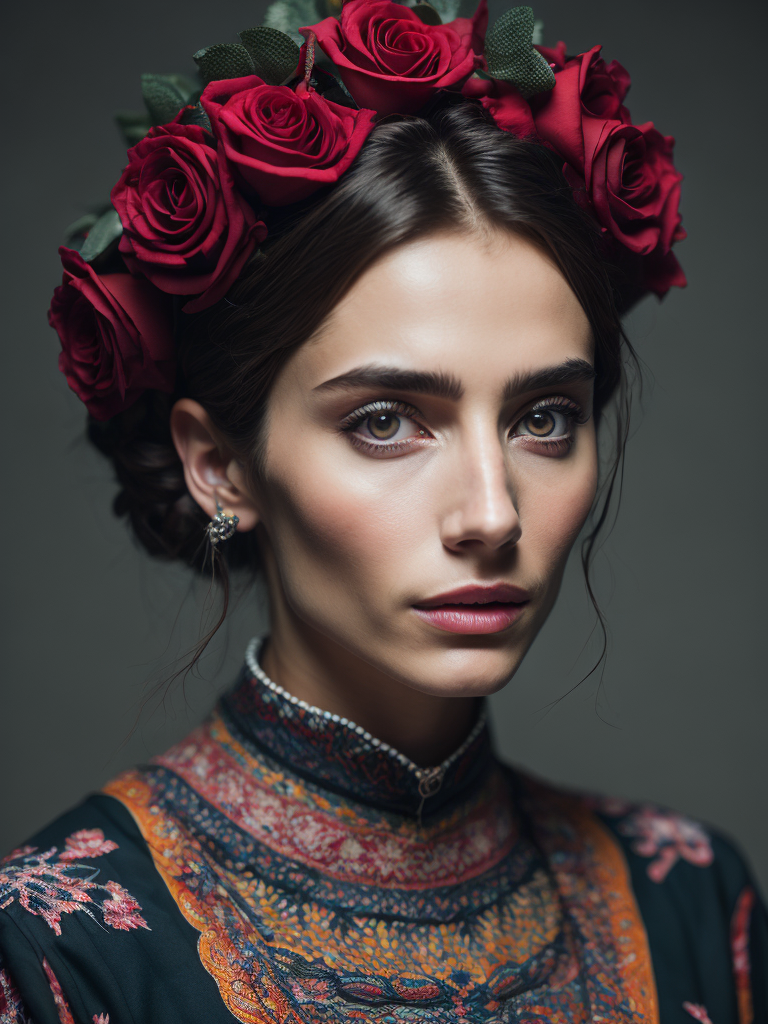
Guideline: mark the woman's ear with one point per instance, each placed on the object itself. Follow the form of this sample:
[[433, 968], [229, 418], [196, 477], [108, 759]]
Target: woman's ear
[[210, 469]]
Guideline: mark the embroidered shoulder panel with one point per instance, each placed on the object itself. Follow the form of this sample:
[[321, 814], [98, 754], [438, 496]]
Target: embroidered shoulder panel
[[310, 906]]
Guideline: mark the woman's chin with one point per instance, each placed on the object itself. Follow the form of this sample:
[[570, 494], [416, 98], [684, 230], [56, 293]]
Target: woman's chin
[[460, 672]]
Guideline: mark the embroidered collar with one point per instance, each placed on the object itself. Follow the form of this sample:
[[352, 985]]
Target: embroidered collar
[[339, 755]]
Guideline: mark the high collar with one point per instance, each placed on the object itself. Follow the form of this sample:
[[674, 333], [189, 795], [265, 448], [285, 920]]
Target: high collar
[[334, 753]]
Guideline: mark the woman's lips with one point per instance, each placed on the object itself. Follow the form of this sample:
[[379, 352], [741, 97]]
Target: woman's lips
[[477, 618], [475, 608]]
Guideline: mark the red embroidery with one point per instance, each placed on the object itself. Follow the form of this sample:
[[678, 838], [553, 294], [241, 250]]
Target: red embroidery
[[698, 1012], [347, 848], [88, 842], [11, 1007], [740, 954], [659, 833], [62, 1006], [49, 886]]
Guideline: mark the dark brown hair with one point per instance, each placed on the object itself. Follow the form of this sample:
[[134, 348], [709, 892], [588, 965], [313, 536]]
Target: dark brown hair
[[451, 169]]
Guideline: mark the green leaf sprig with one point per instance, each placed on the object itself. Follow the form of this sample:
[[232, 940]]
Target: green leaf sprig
[[511, 57]]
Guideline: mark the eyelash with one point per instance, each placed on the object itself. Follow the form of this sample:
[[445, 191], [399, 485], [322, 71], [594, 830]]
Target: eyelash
[[360, 415], [557, 445], [554, 446]]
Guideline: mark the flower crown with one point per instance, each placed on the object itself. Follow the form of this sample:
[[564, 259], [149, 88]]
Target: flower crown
[[271, 121]]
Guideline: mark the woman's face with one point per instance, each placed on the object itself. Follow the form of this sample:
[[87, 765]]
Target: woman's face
[[430, 459]]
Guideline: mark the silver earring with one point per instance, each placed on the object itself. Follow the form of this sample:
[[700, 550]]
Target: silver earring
[[222, 526]]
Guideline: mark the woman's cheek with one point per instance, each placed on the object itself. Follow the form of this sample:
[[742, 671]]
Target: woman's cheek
[[554, 503], [337, 522]]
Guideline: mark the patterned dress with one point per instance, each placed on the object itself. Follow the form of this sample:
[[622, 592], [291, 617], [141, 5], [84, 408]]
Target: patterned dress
[[282, 866]]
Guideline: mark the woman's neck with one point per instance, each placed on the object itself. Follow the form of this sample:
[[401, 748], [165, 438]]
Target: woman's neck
[[425, 727]]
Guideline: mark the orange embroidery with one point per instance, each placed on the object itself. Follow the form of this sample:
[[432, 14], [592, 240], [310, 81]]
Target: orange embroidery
[[277, 953], [594, 879]]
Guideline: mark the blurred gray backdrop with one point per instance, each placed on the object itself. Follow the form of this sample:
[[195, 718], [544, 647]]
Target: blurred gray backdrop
[[89, 622]]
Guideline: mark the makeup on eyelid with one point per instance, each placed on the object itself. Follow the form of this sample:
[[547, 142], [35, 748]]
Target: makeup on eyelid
[[384, 417]]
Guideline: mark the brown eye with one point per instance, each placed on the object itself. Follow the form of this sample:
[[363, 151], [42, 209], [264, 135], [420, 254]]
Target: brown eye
[[546, 422], [540, 424], [384, 425]]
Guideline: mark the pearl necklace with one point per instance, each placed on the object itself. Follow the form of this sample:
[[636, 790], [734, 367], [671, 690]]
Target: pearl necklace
[[429, 779]]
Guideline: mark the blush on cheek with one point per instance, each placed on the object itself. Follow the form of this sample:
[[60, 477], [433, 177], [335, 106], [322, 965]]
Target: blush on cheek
[[338, 540]]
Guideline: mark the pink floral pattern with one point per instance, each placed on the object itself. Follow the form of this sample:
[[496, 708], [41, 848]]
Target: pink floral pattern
[[659, 833], [88, 842], [11, 1007], [698, 1012], [48, 885]]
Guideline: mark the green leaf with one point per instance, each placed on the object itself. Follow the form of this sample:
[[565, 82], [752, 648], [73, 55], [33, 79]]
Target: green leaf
[[75, 233], [223, 60], [165, 95], [274, 54], [511, 57], [331, 88], [447, 9], [289, 16], [196, 115], [133, 127], [104, 232], [427, 13]]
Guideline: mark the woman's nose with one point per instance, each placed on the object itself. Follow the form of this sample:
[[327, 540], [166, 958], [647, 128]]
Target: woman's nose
[[479, 505]]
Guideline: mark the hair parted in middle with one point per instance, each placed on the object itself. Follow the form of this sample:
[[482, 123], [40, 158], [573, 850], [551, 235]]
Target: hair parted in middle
[[451, 170]]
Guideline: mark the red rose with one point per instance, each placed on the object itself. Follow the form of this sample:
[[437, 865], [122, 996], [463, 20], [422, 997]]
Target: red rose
[[391, 61], [185, 227], [631, 184], [585, 87], [284, 144], [116, 335], [554, 55], [661, 271], [505, 103]]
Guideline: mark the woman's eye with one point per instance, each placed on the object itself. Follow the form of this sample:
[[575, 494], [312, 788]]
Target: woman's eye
[[388, 426], [546, 423], [384, 427]]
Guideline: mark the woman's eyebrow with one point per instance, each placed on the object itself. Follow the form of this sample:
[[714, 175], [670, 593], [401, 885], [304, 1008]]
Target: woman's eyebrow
[[445, 385], [425, 382], [572, 371]]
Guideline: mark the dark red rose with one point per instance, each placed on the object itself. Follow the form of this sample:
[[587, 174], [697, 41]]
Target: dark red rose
[[584, 87], [661, 271], [505, 103], [554, 55], [284, 144], [657, 272], [391, 61], [116, 335], [631, 184], [185, 227]]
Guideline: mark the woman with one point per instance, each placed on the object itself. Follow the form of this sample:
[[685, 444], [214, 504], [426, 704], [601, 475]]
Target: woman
[[354, 319]]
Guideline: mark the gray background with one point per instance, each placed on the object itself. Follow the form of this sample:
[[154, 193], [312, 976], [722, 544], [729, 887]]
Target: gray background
[[88, 622]]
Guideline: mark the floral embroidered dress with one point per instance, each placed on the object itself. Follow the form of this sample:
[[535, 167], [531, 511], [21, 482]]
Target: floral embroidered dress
[[281, 866]]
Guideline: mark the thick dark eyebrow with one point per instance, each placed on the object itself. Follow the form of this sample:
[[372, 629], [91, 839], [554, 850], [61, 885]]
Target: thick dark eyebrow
[[572, 371], [445, 385], [423, 382]]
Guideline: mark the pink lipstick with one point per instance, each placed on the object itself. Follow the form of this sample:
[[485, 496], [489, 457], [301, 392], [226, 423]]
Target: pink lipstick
[[475, 609]]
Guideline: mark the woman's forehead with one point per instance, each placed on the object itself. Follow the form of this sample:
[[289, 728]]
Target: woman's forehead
[[471, 306]]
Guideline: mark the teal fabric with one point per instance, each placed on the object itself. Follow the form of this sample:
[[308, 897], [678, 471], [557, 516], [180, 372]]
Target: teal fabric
[[84, 904]]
